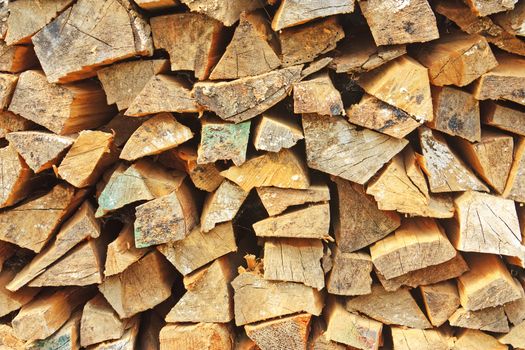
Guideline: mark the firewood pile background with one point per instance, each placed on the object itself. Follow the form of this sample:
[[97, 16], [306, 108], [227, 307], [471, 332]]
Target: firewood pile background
[[251, 174]]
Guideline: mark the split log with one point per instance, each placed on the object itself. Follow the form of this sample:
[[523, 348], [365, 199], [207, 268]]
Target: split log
[[512, 21], [8, 339], [10, 122], [505, 82], [253, 95], [163, 93], [122, 253], [310, 222], [67, 337], [319, 340], [223, 141], [406, 339], [25, 19], [209, 296], [293, 12], [156, 5], [402, 83], [490, 319], [362, 55], [7, 87], [432, 274], [515, 186], [276, 130], [317, 95], [191, 40], [470, 339], [303, 44], [351, 329], [416, 244], [485, 8], [458, 12], [456, 113], [12, 301], [359, 222], [91, 153], [284, 170], [415, 21], [285, 333], [402, 187], [16, 58], [397, 307], [122, 127], [514, 337], [80, 226], [287, 298], [221, 205], [63, 109], [515, 311], [252, 50], [487, 284], [350, 273], [198, 248], [486, 224], [126, 293], [294, 260], [377, 115], [212, 336], [457, 59], [127, 342], [491, 157], [275, 200], [31, 224], [122, 82], [228, 11], [167, 218], [338, 148], [446, 171], [441, 301], [16, 179], [72, 48], [40, 150], [46, 314], [100, 322], [504, 118], [154, 136]]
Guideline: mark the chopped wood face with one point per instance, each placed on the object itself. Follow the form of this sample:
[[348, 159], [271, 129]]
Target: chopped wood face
[[317, 95], [122, 253], [490, 319], [441, 301], [275, 131], [472, 339], [12, 301], [485, 8], [99, 322], [515, 187], [288, 332], [350, 274], [223, 141], [513, 21], [276, 200], [514, 337], [16, 58], [504, 118], [405, 339], [212, 336], [226, 11]]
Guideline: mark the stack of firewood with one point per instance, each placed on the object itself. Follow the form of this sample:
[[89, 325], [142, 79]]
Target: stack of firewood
[[262, 174]]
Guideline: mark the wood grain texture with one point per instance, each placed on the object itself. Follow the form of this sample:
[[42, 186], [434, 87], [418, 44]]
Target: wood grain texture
[[350, 273], [221, 205], [223, 141]]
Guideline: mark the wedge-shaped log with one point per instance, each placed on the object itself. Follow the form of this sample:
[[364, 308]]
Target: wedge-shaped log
[[91, 153], [289, 332], [16, 58], [275, 200], [414, 21], [310, 222], [294, 12], [317, 95], [406, 339], [127, 342], [122, 127], [251, 99], [154, 136], [16, 177], [514, 337], [487, 284], [163, 93], [191, 39], [156, 5], [209, 296], [72, 48], [122, 82], [491, 319], [515, 186], [227, 11], [252, 50], [221, 205], [489, 7], [12, 301], [9, 339], [46, 213], [513, 21], [446, 171], [10, 122], [223, 141], [63, 109], [197, 336], [457, 59], [287, 298], [397, 307], [350, 273], [319, 340], [126, 292], [40, 150], [122, 253], [504, 118], [276, 130], [7, 87], [304, 43], [338, 148], [44, 315], [474, 339], [284, 170], [417, 244], [441, 301], [67, 337], [350, 328]]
